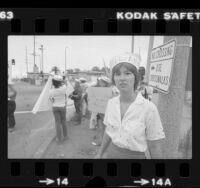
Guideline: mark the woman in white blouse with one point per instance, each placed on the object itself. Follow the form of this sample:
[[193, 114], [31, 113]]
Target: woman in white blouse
[[132, 122]]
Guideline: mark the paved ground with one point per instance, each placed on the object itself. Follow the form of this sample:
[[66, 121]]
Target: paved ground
[[29, 134], [27, 95], [35, 132], [79, 144], [30, 128]]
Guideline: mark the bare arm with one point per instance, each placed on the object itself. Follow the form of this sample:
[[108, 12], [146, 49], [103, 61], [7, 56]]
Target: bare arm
[[105, 143], [155, 148]]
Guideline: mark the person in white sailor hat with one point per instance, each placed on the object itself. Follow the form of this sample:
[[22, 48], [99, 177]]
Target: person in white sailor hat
[[104, 81], [133, 124], [58, 97], [82, 80]]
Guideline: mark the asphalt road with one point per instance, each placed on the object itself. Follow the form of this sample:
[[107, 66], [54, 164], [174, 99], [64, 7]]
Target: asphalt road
[[78, 146], [29, 134], [30, 128], [35, 133]]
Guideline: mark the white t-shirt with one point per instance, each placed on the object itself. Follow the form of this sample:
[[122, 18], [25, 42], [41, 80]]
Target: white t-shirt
[[58, 96], [140, 123]]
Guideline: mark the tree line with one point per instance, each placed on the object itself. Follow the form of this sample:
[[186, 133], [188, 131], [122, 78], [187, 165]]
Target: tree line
[[69, 71]]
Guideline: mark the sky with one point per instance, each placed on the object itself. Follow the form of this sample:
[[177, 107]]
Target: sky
[[83, 52]]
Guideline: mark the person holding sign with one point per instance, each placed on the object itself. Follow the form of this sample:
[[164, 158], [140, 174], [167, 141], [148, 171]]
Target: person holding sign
[[76, 96], [132, 122], [93, 118], [97, 139], [84, 87], [57, 96]]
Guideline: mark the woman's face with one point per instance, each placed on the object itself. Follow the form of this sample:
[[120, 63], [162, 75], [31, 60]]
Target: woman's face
[[124, 79]]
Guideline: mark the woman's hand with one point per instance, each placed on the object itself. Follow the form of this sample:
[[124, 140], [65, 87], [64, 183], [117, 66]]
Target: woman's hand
[[51, 99]]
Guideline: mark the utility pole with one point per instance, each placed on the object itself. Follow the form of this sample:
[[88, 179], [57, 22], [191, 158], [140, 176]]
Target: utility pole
[[26, 62], [42, 50], [40, 62], [151, 41], [171, 106], [65, 58], [132, 44], [34, 50]]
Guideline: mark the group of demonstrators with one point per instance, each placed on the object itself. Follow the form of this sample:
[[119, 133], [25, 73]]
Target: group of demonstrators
[[129, 126], [131, 123]]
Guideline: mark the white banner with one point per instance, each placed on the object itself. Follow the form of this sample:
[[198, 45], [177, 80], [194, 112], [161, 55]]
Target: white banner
[[43, 103]]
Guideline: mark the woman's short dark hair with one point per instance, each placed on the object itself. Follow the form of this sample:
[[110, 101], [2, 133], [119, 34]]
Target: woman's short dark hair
[[131, 68], [56, 83]]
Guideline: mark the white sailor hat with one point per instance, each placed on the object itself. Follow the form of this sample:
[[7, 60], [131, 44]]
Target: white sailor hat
[[127, 57], [58, 77], [82, 79], [77, 80], [105, 79]]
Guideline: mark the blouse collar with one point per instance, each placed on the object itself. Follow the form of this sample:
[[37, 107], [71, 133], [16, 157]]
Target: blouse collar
[[139, 99]]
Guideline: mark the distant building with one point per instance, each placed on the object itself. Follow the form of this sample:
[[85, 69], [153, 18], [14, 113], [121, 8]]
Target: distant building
[[88, 75], [34, 78], [35, 69]]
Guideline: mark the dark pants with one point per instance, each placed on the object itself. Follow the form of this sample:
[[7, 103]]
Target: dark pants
[[86, 98], [11, 116], [60, 121], [100, 128], [78, 107]]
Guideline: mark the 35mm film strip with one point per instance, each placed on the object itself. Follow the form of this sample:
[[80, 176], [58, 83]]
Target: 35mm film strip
[[99, 97]]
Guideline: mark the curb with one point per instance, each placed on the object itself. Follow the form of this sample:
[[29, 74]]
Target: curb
[[43, 147], [40, 152]]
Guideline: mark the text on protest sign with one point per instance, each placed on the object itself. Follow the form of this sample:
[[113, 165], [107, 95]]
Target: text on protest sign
[[98, 98], [161, 66]]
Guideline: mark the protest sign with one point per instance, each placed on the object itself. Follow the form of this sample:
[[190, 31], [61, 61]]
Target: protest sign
[[98, 98]]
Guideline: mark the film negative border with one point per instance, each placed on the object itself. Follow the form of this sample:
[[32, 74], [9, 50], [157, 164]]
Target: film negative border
[[106, 172], [113, 26], [104, 23], [64, 172]]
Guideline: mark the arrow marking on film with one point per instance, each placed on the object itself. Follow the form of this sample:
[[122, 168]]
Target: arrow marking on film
[[142, 181], [47, 181]]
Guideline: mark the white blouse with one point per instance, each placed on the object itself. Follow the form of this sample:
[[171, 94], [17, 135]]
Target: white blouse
[[140, 122], [59, 96]]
